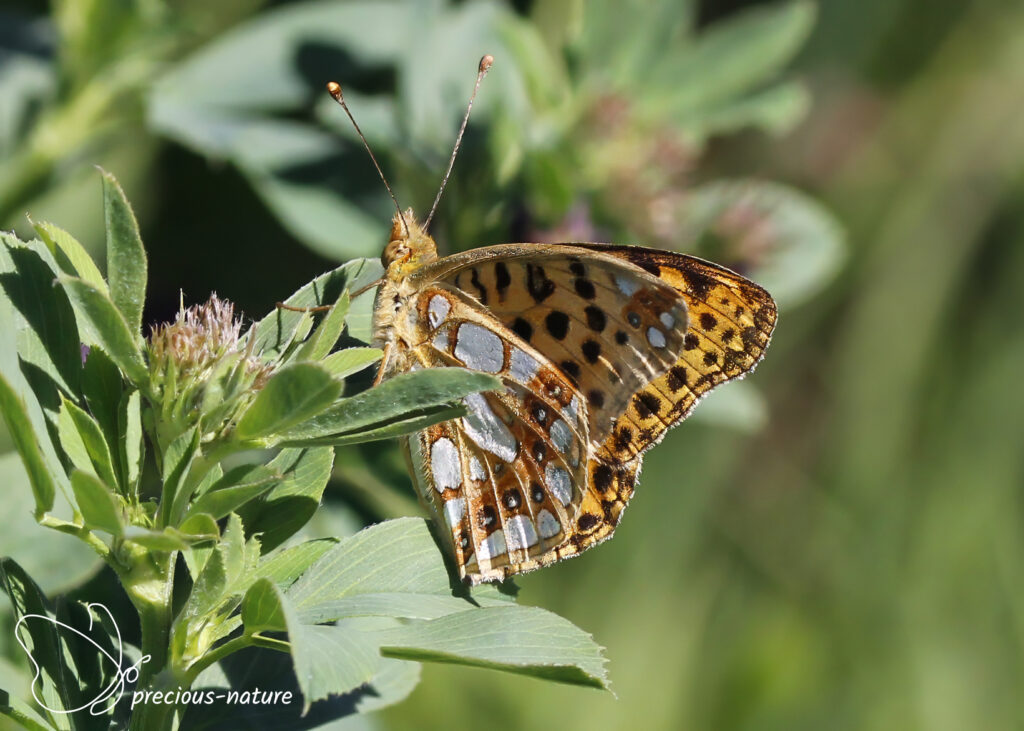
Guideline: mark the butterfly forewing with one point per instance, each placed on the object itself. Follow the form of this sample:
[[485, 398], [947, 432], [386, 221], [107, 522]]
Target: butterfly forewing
[[609, 327]]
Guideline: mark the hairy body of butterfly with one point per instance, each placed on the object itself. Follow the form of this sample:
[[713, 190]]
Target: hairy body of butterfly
[[600, 348]]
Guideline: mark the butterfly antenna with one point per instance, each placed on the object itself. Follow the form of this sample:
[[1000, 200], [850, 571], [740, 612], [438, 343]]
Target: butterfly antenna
[[334, 89], [485, 65]]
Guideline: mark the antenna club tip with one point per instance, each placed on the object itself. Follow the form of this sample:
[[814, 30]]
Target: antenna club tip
[[334, 89], [485, 63]]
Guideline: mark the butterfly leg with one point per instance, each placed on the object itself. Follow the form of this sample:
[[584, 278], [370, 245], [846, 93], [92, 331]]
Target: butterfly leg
[[382, 368]]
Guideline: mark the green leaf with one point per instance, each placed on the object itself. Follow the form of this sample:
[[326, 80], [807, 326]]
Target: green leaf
[[102, 386], [70, 255], [22, 713], [276, 331], [278, 514], [262, 609], [55, 559], [293, 394], [96, 503], [523, 640], [730, 57], [92, 438], [332, 660], [24, 438], [351, 360], [234, 489], [166, 540], [177, 461], [390, 569], [326, 335], [106, 327], [284, 566], [57, 680], [44, 325], [126, 257], [396, 398], [130, 426], [400, 428]]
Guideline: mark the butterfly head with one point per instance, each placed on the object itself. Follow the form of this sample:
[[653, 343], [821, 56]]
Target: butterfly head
[[410, 247]]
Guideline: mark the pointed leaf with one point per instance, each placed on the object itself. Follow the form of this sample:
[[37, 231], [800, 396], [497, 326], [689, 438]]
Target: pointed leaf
[[24, 438], [126, 257], [236, 488], [284, 566], [523, 640], [278, 514], [70, 255], [351, 360], [293, 394], [96, 503], [105, 326], [396, 398], [92, 438], [326, 335]]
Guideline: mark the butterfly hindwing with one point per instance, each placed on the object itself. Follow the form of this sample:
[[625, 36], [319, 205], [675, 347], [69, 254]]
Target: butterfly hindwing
[[510, 478]]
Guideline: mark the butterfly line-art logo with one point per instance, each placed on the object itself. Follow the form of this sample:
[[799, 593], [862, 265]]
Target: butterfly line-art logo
[[99, 705]]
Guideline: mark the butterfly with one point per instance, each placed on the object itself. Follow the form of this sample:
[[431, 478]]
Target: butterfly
[[600, 349]]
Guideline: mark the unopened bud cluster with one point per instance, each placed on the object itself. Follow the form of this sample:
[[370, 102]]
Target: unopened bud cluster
[[202, 369]]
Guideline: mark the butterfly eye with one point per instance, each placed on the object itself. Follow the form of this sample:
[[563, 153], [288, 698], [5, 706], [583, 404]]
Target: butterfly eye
[[395, 251]]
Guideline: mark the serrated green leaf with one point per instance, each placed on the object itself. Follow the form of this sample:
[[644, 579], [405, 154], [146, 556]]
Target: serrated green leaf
[[96, 503], [106, 327], [346, 362], [70, 255], [293, 394], [326, 335], [102, 464], [25, 441], [522, 640], [126, 257], [397, 398]]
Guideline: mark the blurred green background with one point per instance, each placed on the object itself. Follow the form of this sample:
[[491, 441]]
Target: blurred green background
[[835, 542]]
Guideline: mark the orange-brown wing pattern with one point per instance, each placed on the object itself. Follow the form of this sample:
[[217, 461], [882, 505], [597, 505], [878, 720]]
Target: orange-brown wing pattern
[[731, 322]]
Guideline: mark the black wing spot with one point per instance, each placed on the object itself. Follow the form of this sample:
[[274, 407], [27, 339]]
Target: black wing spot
[[571, 369], [676, 377], [538, 284], [557, 323], [585, 288], [522, 328], [587, 521], [596, 319], [621, 338], [690, 342], [591, 350], [595, 398], [502, 279], [474, 279], [708, 321]]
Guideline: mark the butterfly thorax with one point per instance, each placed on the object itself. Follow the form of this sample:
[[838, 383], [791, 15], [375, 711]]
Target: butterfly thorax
[[409, 249]]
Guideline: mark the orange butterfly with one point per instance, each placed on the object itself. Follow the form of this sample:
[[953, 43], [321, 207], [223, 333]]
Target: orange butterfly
[[600, 349]]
